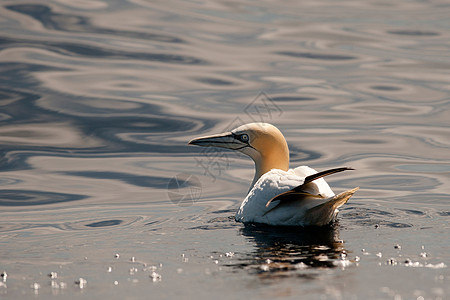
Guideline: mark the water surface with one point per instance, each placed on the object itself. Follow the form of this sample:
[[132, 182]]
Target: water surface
[[99, 98]]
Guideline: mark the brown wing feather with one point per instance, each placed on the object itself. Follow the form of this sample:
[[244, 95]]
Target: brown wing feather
[[299, 190], [291, 196]]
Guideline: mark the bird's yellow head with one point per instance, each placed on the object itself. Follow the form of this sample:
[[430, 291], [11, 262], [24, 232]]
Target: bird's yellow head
[[263, 142]]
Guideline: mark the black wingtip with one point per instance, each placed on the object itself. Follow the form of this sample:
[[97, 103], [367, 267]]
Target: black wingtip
[[318, 175]]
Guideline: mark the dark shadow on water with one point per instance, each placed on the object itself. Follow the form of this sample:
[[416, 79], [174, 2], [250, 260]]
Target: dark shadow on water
[[79, 50], [289, 251], [24, 198], [74, 23], [104, 223], [317, 56]]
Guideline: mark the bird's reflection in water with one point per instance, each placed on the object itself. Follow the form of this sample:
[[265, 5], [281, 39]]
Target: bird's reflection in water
[[290, 251]]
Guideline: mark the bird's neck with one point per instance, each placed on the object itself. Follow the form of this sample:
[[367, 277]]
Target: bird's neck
[[274, 160]]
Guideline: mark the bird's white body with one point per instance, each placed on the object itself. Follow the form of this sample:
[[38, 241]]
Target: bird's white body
[[253, 209]]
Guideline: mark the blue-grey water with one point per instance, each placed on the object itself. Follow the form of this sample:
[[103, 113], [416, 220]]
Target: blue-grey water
[[98, 100]]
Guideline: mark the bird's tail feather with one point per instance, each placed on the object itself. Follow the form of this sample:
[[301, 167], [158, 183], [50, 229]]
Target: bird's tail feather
[[324, 213]]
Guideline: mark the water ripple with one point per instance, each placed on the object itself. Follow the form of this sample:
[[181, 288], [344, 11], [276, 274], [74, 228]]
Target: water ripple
[[80, 24], [9, 197], [90, 51]]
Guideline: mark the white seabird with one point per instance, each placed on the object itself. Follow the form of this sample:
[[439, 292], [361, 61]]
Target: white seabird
[[279, 195]]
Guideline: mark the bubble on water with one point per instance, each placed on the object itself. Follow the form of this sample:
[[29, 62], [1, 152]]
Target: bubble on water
[[53, 275], [133, 271], [81, 282], [54, 284], [268, 261], [133, 259], [229, 254], [4, 276], [423, 254], [392, 261], [155, 277], [109, 270], [35, 286], [116, 282], [342, 263], [436, 266], [397, 246], [301, 265], [364, 252], [264, 267], [379, 254], [357, 258], [377, 226], [116, 255]]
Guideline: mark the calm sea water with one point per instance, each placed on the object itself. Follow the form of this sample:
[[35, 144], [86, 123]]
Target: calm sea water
[[99, 98]]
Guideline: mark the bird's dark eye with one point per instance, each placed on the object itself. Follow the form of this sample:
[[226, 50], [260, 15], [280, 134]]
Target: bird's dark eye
[[244, 138]]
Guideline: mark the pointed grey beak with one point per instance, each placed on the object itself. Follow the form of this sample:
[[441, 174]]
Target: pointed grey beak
[[223, 140]]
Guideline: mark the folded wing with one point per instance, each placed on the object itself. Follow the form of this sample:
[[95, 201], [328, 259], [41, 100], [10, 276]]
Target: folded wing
[[300, 193]]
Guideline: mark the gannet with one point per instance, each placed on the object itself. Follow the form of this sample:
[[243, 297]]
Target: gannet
[[279, 195]]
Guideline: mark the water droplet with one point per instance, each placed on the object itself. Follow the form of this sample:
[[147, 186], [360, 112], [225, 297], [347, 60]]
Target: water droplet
[[54, 284], [265, 268], [4, 276], [81, 282], [133, 259], [397, 246], [379, 254], [109, 270], [423, 254], [392, 261], [155, 277], [117, 255], [116, 282], [301, 265]]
